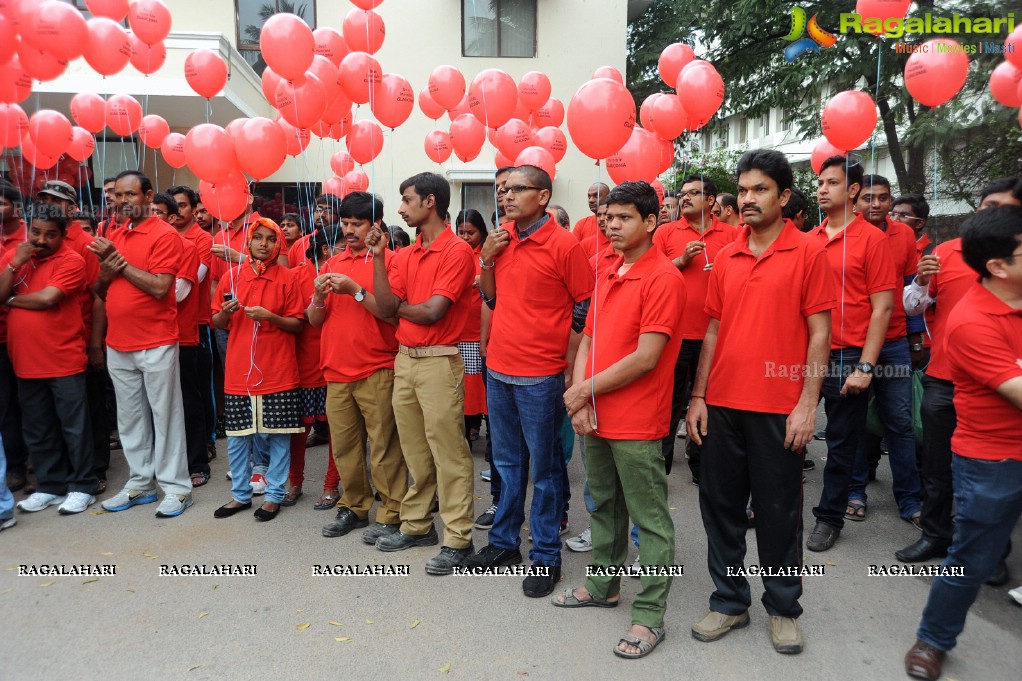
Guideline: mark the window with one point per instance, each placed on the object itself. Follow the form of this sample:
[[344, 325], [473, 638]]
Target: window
[[764, 124], [743, 130], [498, 28], [273, 199], [252, 14]]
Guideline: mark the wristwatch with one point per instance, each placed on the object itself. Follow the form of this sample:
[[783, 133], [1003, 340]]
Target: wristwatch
[[360, 295], [484, 265], [865, 367]]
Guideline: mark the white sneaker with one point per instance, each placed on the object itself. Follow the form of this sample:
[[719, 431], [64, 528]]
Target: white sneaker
[[635, 568], [39, 501], [682, 430], [1016, 594], [173, 505], [76, 503], [583, 542], [258, 484], [7, 523]]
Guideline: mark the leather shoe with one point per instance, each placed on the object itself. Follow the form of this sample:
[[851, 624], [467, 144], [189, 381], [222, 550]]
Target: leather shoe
[[924, 661], [226, 511], [714, 625], [1000, 576], [345, 522], [822, 537], [921, 551]]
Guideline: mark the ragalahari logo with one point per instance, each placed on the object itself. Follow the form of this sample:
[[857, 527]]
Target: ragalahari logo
[[800, 45]]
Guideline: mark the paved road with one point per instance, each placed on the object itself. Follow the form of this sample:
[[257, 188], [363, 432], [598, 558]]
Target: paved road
[[286, 623]]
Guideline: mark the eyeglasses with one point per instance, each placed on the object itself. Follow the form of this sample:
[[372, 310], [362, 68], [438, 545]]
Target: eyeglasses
[[518, 189], [901, 217], [691, 194], [161, 213]]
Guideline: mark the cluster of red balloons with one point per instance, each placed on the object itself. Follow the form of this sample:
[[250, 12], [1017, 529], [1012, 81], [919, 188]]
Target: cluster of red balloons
[[1006, 79]]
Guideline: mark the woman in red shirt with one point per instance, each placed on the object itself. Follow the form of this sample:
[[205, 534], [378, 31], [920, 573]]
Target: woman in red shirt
[[472, 228]]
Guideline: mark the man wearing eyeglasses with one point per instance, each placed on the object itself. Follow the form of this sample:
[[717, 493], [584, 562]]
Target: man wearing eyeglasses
[[537, 280]]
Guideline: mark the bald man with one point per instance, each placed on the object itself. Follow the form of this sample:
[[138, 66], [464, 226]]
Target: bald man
[[586, 227]]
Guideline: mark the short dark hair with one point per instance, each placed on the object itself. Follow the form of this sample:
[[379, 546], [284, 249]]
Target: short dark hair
[[361, 206], [147, 184], [853, 170], [474, 218], [193, 198], [47, 212], [873, 180], [293, 217], [537, 176], [639, 194], [560, 215], [503, 169], [108, 180], [320, 238], [331, 201], [708, 185], [11, 193], [397, 234], [916, 201], [727, 201], [87, 216], [771, 163], [989, 234], [167, 200], [998, 186], [796, 204], [426, 184]]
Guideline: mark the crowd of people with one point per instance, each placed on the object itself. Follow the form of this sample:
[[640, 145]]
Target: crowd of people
[[720, 315]]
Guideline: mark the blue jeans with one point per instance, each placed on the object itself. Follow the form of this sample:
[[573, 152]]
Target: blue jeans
[[892, 386], [6, 498], [242, 449], [526, 422], [988, 495]]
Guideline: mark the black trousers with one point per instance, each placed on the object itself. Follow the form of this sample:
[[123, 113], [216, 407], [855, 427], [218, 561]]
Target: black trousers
[[205, 369], [55, 423], [939, 421], [684, 375], [195, 418], [10, 416], [743, 453], [95, 390]]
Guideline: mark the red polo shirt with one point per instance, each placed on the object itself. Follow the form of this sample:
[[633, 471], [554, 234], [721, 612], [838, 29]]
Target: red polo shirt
[[921, 243], [78, 240], [444, 269], [671, 239], [762, 304], [948, 287], [585, 228], [307, 346], [188, 309], [595, 243], [860, 258], [203, 242], [136, 320], [984, 349], [261, 359], [648, 298], [8, 242], [539, 279], [902, 240], [296, 252], [48, 343], [604, 259], [355, 344], [232, 238]]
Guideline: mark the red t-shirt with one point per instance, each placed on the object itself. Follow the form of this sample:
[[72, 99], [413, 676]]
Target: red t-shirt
[[947, 287], [136, 320], [188, 309], [8, 242], [585, 228], [472, 330], [902, 240], [648, 298], [78, 240], [232, 238], [48, 343], [261, 357], [296, 252], [307, 347], [860, 258], [762, 304], [605, 258], [203, 241], [444, 269], [595, 243], [539, 279], [984, 349], [355, 344], [921, 243], [671, 239]]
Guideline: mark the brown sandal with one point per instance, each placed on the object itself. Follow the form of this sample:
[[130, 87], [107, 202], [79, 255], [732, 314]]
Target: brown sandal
[[327, 501], [199, 479], [292, 496]]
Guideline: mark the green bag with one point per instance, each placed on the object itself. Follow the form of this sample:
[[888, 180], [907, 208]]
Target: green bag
[[875, 426]]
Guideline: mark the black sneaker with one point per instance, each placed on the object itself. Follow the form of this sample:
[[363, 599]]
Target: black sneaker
[[820, 435], [493, 556], [444, 562], [809, 465], [345, 522], [399, 541], [538, 586], [379, 530], [485, 521]]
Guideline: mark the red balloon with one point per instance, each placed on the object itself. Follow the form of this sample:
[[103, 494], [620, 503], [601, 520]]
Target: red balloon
[[446, 86], [15, 83], [551, 113], [646, 110], [8, 39], [492, 97], [672, 60], [882, 9], [330, 77], [394, 101], [356, 181], [467, 136], [553, 140], [360, 76], [173, 150], [297, 140], [287, 45], [367, 4], [82, 144], [601, 116], [364, 30], [701, 91], [513, 137], [666, 158], [609, 72], [534, 89], [364, 141], [438, 146], [330, 43], [337, 109], [1004, 84], [638, 159], [1013, 47], [111, 9], [301, 102], [335, 186], [821, 152], [234, 127], [149, 20], [35, 157], [539, 157], [225, 200], [147, 58], [13, 125], [40, 65], [428, 106], [109, 48], [50, 131], [123, 114], [320, 129], [153, 130], [461, 108], [694, 64], [933, 76], [205, 72], [264, 146], [339, 131], [89, 111], [849, 118], [658, 187], [669, 117], [210, 152], [55, 27], [342, 163], [501, 160], [269, 82]]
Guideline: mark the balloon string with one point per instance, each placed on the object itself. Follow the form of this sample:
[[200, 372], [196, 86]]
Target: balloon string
[[873, 154]]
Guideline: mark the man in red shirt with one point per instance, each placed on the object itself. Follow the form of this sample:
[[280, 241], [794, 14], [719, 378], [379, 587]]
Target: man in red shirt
[[12, 233], [913, 210], [618, 401], [668, 209], [138, 265], [754, 403], [586, 227], [984, 352], [860, 257], [41, 281], [426, 291], [725, 209]]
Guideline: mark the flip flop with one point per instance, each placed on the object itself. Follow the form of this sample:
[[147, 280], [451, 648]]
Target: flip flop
[[326, 502], [645, 647], [569, 600], [292, 496], [856, 510]]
